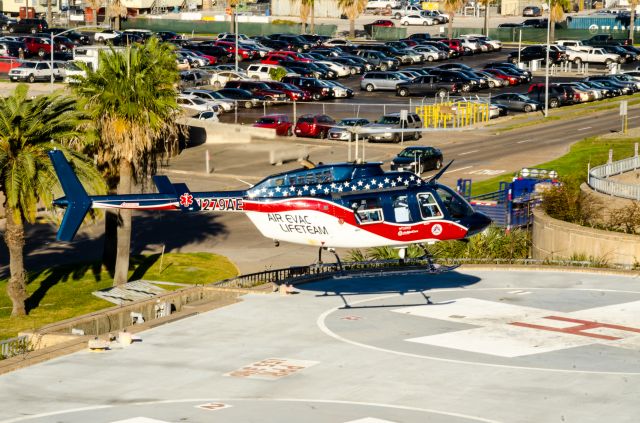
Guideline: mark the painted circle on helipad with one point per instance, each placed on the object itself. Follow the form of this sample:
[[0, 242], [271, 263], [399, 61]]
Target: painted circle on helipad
[[242, 410], [552, 329]]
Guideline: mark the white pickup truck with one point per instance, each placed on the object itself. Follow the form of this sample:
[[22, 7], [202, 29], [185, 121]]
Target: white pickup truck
[[382, 4], [409, 10], [573, 45], [592, 55]]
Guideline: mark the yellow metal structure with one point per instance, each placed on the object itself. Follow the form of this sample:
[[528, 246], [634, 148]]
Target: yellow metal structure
[[450, 114]]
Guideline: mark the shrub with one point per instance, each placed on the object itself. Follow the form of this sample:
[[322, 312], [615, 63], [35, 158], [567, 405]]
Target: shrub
[[277, 73], [283, 22]]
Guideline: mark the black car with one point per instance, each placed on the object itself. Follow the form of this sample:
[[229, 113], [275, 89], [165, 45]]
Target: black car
[[466, 83], [295, 42], [535, 23], [510, 68], [242, 97], [538, 52], [558, 95], [222, 55], [28, 25], [420, 36], [73, 35], [168, 35], [418, 159], [626, 55]]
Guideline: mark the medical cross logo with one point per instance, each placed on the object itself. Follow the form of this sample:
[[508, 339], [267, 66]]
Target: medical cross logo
[[186, 199], [508, 330]]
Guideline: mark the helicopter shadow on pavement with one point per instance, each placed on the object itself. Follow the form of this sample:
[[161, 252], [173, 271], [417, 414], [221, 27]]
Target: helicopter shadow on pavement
[[394, 284]]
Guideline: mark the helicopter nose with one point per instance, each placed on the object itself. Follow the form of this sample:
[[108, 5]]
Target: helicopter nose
[[477, 223]]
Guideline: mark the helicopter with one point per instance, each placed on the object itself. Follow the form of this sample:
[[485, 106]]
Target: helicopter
[[339, 205]]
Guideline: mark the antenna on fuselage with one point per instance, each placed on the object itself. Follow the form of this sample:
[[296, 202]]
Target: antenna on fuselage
[[437, 176]]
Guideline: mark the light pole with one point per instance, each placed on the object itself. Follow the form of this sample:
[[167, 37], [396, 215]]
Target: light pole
[[235, 29], [64, 32], [546, 67]]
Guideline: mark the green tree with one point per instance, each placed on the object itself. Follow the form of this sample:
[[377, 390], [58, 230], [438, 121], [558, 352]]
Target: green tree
[[556, 14], [451, 7], [277, 73], [115, 11], [29, 128], [353, 9], [132, 100]]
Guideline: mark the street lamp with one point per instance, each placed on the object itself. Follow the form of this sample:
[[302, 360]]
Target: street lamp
[[64, 32], [546, 67]]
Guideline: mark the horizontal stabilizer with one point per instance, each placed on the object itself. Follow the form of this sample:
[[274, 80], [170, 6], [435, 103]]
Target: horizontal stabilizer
[[185, 199], [164, 185]]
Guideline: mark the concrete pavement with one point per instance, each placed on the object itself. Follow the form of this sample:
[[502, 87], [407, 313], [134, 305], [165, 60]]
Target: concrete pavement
[[512, 347]]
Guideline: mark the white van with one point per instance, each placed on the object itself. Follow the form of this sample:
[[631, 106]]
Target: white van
[[261, 71]]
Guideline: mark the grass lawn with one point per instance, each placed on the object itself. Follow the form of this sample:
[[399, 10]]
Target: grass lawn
[[64, 292], [594, 150]]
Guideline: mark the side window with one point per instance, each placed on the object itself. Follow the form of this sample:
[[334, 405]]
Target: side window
[[429, 208], [401, 212], [454, 204], [368, 210]]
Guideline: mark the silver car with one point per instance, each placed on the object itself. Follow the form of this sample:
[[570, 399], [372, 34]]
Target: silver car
[[372, 81], [386, 129], [341, 131]]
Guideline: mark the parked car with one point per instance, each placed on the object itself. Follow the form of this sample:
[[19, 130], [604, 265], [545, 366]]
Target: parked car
[[340, 132], [374, 81], [262, 72], [319, 90], [242, 97], [418, 159], [416, 19], [32, 71], [380, 23], [537, 52], [314, 126], [106, 35], [532, 11], [427, 85], [211, 96], [292, 92], [382, 130], [378, 59], [27, 25], [558, 96], [516, 101], [258, 88], [281, 123], [220, 78]]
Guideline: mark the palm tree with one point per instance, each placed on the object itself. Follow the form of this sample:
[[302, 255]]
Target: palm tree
[[116, 10], [353, 9], [305, 11], [451, 7], [29, 128], [556, 14], [132, 100], [487, 4]]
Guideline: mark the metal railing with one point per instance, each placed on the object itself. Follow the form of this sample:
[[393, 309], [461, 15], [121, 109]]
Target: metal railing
[[600, 182], [14, 346]]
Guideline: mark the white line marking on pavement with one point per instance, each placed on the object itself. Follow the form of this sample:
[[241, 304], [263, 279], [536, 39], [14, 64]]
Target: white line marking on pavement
[[316, 401], [634, 117], [460, 168], [320, 321], [585, 128], [469, 152], [523, 141]]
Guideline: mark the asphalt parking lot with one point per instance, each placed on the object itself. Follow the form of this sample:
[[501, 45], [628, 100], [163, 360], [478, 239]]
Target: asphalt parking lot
[[372, 105], [510, 347]]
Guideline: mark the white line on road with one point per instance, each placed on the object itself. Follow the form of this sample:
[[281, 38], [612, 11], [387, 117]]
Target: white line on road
[[523, 141], [634, 117], [585, 128], [461, 168], [469, 152]]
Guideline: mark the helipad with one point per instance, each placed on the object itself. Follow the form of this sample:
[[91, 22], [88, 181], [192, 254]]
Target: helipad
[[468, 346]]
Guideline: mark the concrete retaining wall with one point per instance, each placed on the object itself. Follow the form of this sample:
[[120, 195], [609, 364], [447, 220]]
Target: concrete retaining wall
[[202, 131], [557, 239]]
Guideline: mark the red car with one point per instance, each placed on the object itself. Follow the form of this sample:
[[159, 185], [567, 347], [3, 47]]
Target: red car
[[276, 57], [280, 123], [294, 93], [231, 48], [314, 126], [383, 22], [39, 46], [7, 63], [502, 75]]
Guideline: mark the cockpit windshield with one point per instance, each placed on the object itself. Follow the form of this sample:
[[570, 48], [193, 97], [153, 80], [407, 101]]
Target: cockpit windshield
[[454, 203]]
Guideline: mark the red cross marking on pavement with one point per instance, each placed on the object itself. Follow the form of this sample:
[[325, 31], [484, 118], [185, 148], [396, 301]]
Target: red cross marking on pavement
[[580, 329]]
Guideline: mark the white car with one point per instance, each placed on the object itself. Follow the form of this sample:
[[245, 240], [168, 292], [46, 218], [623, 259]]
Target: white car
[[497, 44], [220, 78], [261, 71], [211, 96], [382, 4], [71, 72], [209, 116], [429, 53], [340, 70], [337, 42], [107, 34], [415, 19], [194, 104]]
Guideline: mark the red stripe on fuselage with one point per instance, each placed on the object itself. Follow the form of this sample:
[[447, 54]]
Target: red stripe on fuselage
[[413, 232]]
